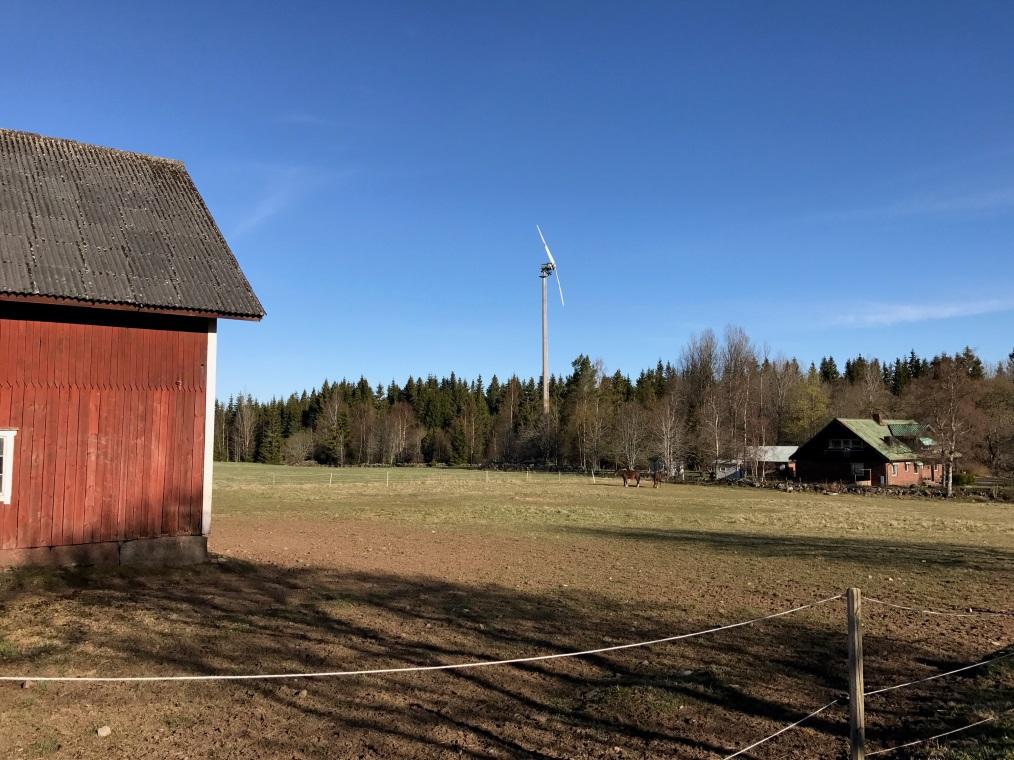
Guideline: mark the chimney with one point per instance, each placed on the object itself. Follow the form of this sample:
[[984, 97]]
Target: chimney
[[878, 417]]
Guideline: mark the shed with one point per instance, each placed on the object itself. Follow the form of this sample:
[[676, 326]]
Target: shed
[[113, 275], [774, 459]]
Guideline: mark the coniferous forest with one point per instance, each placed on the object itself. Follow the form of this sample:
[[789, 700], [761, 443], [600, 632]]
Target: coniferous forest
[[717, 399]]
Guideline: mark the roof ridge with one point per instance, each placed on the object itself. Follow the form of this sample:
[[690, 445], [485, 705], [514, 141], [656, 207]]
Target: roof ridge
[[92, 146], [870, 419]]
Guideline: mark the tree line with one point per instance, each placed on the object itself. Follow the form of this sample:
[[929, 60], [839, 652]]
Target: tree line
[[719, 399]]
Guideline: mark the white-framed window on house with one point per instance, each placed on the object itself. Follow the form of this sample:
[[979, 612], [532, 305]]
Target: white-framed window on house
[[844, 444], [6, 464], [894, 469]]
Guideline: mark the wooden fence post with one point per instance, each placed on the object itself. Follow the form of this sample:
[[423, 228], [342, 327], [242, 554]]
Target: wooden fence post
[[857, 707]]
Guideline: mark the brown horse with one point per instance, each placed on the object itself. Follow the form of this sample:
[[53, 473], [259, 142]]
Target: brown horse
[[657, 478], [629, 475]]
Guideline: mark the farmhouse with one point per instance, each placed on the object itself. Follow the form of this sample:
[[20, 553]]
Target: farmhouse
[[873, 451], [112, 277]]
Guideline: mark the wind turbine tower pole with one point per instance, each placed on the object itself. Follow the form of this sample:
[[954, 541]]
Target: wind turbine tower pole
[[544, 275], [544, 271]]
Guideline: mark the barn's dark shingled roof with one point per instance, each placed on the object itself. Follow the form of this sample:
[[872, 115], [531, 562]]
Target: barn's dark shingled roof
[[103, 226]]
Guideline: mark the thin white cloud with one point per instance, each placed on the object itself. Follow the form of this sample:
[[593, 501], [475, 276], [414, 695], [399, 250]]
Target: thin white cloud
[[284, 186], [303, 118], [1000, 200], [991, 201], [886, 315]]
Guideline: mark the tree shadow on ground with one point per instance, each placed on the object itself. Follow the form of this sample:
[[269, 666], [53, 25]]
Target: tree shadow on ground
[[700, 698], [863, 551]]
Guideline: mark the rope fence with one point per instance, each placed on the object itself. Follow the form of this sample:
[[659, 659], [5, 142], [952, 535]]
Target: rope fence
[[781, 731], [856, 694], [940, 736], [416, 668], [858, 752], [336, 477], [881, 691], [938, 675], [969, 613]]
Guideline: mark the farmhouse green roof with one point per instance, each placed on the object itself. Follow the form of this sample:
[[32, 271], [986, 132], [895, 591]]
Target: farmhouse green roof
[[886, 437]]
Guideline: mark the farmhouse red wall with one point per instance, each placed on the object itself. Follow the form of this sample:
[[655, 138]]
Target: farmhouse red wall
[[914, 475], [109, 408]]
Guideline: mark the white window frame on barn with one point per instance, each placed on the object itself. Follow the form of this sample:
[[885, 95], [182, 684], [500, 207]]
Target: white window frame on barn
[[6, 464]]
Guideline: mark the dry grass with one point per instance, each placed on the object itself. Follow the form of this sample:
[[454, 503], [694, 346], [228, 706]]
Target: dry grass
[[441, 566], [548, 503]]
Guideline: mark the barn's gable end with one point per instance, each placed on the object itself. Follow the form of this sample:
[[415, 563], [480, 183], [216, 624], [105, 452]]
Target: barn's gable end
[[112, 277]]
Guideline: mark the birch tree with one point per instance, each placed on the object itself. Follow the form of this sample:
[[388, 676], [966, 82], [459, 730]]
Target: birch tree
[[667, 428]]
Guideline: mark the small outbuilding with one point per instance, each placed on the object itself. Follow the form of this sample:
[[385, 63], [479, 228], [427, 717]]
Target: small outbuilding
[[877, 451], [113, 275], [775, 461]]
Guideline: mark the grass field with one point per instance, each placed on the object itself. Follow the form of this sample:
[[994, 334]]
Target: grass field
[[423, 566]]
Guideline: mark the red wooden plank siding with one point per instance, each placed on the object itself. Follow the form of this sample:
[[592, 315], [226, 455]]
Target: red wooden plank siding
[[91, 492], [110, 417], [60, 466], [29, 501], [197, 466]]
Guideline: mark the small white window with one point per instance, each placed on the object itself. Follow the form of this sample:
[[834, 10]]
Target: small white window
[[906, 466], [894, 469], [6, 464]]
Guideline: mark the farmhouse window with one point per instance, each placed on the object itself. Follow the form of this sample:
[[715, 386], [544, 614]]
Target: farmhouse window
[[906, 466], [844, 444], [894, 469], [6, 464]]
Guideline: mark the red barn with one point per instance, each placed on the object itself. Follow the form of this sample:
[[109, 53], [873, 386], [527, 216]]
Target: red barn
[[112, 278]]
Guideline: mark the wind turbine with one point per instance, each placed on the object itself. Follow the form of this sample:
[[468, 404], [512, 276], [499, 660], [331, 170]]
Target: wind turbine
[[544, 271]]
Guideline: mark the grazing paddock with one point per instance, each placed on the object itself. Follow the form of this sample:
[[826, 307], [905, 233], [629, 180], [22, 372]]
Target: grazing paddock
[[420, 566]]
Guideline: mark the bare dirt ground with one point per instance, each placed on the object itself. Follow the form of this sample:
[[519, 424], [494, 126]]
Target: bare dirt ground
[[453, 568]]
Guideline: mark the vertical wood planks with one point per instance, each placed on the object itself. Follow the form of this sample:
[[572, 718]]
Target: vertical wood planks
[[110, 420]]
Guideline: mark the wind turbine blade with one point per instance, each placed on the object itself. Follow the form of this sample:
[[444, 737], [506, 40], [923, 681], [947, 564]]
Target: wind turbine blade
[[545, 245], [558, 285]]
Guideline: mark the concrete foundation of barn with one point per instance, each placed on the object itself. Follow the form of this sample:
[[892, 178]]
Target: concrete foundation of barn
[[162, 551]]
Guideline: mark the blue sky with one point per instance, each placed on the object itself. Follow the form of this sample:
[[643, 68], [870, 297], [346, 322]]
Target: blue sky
[[836, 178]]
